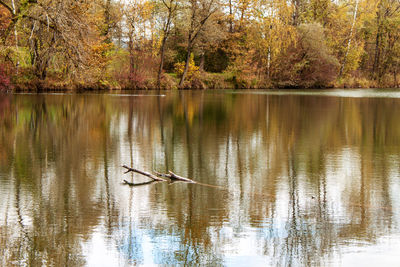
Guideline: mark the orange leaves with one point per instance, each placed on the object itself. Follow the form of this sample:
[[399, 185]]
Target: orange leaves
[[5, 19], [101, 50]]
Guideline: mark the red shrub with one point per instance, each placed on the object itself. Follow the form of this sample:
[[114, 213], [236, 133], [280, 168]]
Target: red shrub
[[5, 83]]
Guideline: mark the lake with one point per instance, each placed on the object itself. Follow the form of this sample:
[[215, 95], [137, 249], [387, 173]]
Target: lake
[[286, 178]]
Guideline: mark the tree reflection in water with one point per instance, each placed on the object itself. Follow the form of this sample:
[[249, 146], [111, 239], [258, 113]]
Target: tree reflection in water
[[304, 178]]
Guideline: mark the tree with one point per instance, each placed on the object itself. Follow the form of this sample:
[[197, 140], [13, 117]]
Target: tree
[[199, 12], [387, 26], [58, 31], [5, 20], [319, 11], [318, 67], [350, 38], [212, 34], [298, 11], [170, 7], [137, 15], [271, 34], [309, 63], [8, 10]]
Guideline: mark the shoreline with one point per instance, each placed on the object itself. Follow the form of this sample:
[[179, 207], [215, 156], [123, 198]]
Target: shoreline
[[100, 91], [216, 82]]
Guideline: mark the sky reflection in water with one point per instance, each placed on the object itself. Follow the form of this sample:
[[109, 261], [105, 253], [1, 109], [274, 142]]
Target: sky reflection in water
[[306, 179]]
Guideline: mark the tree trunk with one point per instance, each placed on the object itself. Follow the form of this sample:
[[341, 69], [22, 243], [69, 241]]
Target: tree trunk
[[202, 59], [189, 51], [131, 61], [16, 36], [349, 42], [375, 67], [162, 52], [296, 12], [107, 20], [166, 30], [230, 17], [269, 62], [40, 59]]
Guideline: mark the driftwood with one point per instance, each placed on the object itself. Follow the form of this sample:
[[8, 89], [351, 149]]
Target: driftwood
[[151, 176], [163, 177], [159, 177], [174, 177]]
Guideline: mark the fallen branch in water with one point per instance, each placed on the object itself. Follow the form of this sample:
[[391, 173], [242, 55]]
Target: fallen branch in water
[[151, 176], [162, 177], [174, 177]]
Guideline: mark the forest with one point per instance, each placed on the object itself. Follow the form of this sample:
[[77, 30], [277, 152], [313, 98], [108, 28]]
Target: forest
[[198, 44]]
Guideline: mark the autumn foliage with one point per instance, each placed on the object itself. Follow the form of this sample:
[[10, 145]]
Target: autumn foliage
[[4, 79], [310, 63], [107, 44]]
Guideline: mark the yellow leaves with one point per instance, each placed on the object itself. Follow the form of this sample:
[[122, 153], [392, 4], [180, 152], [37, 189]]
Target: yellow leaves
[[180, 67], [5, 19], [354, 58], [102, 48], [272, 24], [156, 44], [102, 56], [244, 5], [101, 52], [147, 9], [271, 32], [140, 10]]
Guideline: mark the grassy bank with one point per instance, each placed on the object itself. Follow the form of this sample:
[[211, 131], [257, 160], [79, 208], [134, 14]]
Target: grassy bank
[[170, 81]]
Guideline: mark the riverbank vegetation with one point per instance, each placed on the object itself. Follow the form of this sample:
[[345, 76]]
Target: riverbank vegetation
[[198, 44]]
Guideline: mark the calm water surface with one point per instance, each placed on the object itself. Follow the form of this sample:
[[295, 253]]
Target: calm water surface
[[299, 179]]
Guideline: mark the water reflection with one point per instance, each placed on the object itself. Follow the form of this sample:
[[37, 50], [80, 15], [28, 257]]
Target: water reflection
[[306, 180]]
